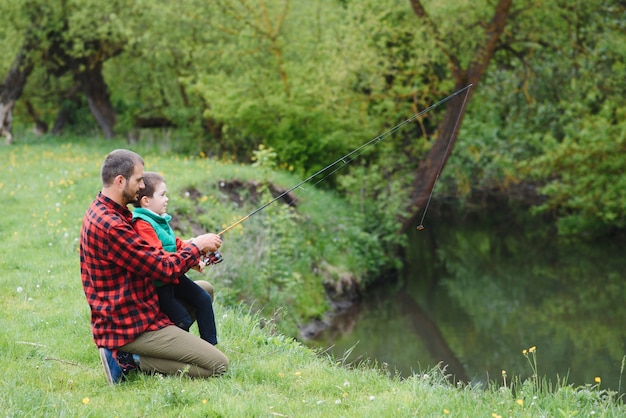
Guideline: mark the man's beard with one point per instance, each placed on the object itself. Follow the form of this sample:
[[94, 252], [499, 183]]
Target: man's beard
[[128, 197]]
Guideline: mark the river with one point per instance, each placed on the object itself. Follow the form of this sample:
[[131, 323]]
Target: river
[[476, 292]]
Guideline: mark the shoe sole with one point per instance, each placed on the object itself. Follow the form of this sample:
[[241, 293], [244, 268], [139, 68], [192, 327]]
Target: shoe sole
[[105, 364]]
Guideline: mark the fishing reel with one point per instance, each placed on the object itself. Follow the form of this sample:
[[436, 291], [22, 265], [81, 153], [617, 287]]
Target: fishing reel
[[213, 258]]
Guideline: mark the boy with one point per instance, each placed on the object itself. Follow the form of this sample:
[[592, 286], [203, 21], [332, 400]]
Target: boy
[[151, 222]]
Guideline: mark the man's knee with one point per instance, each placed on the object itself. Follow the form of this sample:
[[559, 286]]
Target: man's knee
[[207, 287]]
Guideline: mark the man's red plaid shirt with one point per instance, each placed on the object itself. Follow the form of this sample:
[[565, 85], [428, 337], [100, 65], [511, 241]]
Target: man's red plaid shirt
[[118, 269]]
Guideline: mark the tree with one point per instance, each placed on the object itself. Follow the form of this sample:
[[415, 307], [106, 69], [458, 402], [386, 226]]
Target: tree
[[66, 37], [483, 51], [11, 91], [550, 131]]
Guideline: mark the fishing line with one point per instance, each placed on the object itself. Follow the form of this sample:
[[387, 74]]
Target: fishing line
[[351, 156], [443, 160]]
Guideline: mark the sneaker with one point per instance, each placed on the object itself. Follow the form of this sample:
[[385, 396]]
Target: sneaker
[[128, 362], [117, 365], [112, 369]]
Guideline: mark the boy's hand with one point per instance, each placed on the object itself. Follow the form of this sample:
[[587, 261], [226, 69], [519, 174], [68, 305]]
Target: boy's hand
[[208, 243], [200, 267]]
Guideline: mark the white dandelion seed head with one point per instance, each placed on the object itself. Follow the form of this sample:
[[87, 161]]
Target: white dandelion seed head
[[371, 398], [19, 289], [346, 383], [338, 401]]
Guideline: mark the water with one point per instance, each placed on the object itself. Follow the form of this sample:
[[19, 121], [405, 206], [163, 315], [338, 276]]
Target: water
[[476, 293]]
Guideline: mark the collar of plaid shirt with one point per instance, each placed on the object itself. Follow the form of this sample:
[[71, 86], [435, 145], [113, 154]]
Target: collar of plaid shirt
[[118, 269]]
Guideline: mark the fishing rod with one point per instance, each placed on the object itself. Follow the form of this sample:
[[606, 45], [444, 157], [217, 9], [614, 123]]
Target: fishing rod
[[342, 162]]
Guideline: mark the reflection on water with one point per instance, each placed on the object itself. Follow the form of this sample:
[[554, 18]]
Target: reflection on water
[[477, 293]]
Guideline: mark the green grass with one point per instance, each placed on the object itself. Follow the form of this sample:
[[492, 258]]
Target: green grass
[[50, 366]]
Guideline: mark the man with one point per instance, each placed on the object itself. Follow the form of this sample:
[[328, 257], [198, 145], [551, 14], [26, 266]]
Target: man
[[118, 269]]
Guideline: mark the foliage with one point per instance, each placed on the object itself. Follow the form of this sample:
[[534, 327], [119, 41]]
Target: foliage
[[585, 174], [62, 39], [557, 122], [314, 80]]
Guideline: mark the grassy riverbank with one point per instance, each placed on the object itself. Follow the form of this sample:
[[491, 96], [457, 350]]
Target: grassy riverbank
[[49, 363]]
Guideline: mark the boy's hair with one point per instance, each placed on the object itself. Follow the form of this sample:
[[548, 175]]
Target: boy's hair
[[119, 162], [151, 180]]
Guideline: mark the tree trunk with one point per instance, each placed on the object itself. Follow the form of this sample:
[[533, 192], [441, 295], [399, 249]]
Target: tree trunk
[[41, 127], [69, 100], [429, 169], [10, 92], [96, 90]]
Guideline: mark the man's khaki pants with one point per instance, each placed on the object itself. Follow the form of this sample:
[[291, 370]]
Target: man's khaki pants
[[172, 350]]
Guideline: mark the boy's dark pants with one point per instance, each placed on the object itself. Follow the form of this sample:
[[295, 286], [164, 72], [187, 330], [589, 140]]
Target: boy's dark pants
[[181, 301]]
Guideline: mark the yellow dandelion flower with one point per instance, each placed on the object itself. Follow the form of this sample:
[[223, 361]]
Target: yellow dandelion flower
[[204, 401], [504, 373], [524, 352], [281, 374], [297, 373], [445, 411], [597, 379], [532, 349], [344, 395], [85, 401], [520, 402]]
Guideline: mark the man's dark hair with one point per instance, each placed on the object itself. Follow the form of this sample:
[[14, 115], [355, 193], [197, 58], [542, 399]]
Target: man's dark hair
[[151, 180], [119, 162]]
